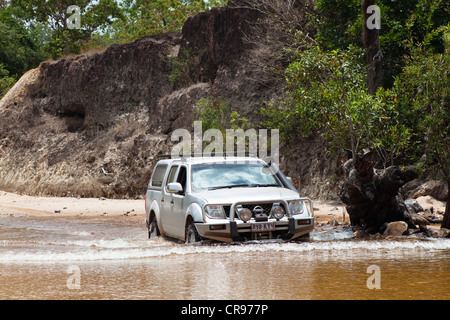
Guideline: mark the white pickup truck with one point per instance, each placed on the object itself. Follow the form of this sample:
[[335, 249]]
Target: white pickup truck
[[226, 199]]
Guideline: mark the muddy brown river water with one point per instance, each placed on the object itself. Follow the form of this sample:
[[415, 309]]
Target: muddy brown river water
[[111, 258]]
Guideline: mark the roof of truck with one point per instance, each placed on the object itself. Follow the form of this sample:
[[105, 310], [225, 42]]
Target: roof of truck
[[211, 159]]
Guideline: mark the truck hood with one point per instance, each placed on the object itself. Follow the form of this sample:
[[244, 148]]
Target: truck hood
[[228, 196]]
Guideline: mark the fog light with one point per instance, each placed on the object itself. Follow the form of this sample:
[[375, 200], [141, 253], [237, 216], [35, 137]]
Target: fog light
[[277, 211], [244, 214]]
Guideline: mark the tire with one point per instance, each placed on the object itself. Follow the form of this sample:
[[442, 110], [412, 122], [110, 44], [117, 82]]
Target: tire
[[192, 235], [153, 229], [303, 238]]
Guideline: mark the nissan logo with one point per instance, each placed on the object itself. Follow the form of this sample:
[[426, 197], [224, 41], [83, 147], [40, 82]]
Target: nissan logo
[[258, 210]]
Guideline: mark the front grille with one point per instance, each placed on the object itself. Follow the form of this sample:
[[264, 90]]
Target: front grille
[[267, 208]]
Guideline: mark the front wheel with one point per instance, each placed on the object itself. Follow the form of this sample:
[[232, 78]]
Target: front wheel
[[192, 235], [153, 230]]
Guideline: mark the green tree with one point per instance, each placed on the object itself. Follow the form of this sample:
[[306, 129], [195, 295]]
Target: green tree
[[424, 89], [339, 24], [6, 81], [327, 93], [19, 47], [94, 16]]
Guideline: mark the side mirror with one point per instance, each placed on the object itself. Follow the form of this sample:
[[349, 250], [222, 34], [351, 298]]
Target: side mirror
[[289, 179], [174, 187]]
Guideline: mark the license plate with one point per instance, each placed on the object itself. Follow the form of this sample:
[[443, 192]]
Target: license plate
[[263, 227]]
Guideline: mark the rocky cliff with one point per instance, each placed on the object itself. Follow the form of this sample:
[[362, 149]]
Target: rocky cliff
[[92, 125]]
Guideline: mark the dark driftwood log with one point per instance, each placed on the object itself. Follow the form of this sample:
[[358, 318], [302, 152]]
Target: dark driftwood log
[[371, 196]]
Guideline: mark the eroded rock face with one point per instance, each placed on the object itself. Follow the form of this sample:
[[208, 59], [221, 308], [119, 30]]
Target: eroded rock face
[[77, 126], [216, 39], [92, 125], [100, 86]]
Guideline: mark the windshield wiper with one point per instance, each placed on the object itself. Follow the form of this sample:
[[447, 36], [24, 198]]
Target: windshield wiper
[[265, 185], [231, 186]]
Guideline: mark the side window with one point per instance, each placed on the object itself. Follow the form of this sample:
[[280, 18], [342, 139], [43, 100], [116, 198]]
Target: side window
[[182, 177], [172, 172], [158, 176]]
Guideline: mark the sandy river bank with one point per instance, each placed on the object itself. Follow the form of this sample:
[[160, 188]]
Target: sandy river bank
[[16, 205], [12, 204]]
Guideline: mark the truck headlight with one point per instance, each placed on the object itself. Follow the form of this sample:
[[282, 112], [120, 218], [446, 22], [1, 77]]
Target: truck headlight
[[296, 207], [214, 211], [244, 214], [277, 211]]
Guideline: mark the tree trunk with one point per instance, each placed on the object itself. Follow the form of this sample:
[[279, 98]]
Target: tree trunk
[[446, 220], [371, 41], [371, 195]]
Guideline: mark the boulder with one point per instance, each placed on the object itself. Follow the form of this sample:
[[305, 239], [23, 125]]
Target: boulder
[[418, 219], [413, 206], [359, 234], [438, 233], [428, 203], [333, 223], [396, 228], [438, 189]]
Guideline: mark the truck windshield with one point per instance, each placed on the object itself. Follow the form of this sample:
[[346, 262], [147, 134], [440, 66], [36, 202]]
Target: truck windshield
[[232, 175]]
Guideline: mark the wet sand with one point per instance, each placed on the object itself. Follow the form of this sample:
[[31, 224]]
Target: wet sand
[[12, 204], [15, 205]]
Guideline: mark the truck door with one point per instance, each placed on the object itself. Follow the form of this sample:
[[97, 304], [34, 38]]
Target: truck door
[[179, 204], [167, 216]]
